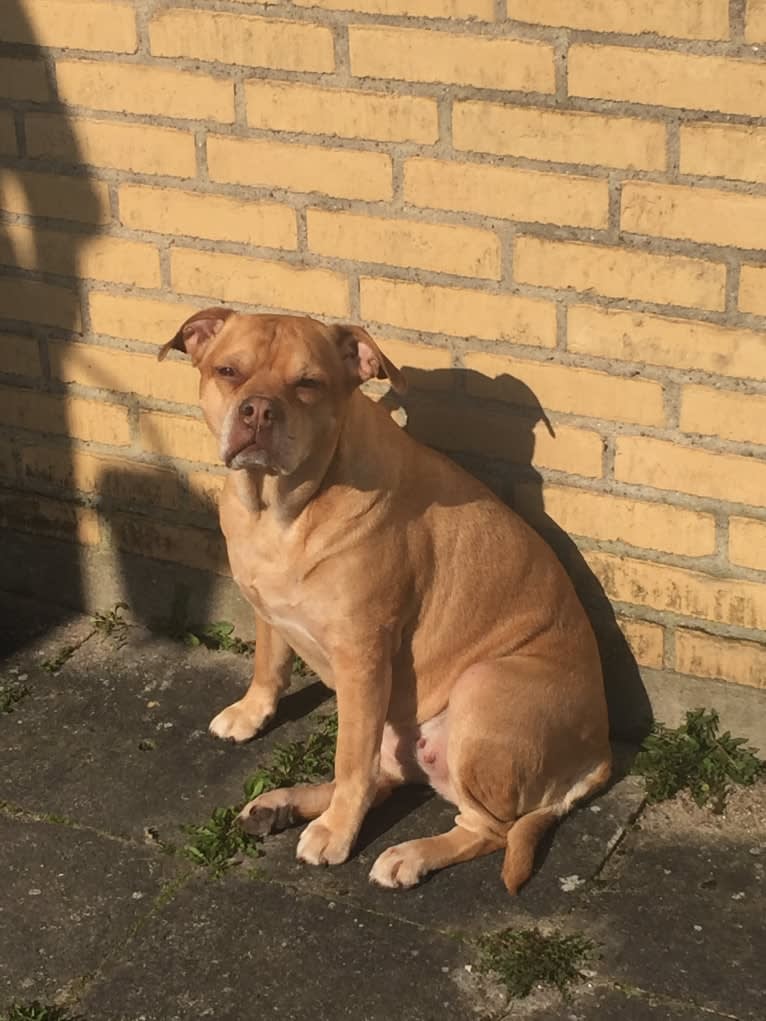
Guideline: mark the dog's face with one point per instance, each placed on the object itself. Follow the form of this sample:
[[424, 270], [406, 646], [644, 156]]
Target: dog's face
[[273, 387]]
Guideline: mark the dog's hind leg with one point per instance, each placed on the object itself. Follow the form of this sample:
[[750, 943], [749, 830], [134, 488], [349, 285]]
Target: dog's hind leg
[[405, 864]]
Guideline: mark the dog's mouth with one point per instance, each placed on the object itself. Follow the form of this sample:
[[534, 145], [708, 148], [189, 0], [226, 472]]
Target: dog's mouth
[[249, 455]]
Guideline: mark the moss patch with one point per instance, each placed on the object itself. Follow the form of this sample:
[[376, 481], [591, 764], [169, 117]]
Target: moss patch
[[523, 959]]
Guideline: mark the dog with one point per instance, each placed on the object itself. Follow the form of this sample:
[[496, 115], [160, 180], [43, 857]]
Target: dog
[[459, 652]]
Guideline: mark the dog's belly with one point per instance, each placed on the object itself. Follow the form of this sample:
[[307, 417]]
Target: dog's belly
[[418, 754]]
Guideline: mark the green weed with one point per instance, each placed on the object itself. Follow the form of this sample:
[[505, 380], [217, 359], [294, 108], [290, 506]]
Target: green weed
[[696, 758], [220, 637], [11, 693], [112, 624], [525, 958], [220, 843]]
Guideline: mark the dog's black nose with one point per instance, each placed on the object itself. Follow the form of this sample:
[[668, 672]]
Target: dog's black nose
[[257, 412]]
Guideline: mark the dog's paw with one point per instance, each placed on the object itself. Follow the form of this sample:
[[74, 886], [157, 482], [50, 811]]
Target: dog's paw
[[240, 721], [268, 813], [319, 845], [399, 867]]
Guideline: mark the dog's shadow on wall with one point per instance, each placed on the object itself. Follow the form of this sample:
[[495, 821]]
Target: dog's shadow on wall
[[495, 441]]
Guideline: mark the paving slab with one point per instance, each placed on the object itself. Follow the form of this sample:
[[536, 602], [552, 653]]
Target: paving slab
[[238, 949], [680, 907], [124, 732], [68, 899]]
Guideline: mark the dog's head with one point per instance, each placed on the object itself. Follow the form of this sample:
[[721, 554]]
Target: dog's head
[[273, 387]]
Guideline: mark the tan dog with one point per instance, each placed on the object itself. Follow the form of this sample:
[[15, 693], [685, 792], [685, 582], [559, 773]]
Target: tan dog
[[459, 652]]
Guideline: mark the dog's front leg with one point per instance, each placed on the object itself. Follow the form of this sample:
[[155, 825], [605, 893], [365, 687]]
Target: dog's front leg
[[271, 676], [363, 696]]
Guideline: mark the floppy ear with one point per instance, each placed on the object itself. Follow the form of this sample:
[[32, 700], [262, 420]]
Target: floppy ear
[[364, 358], [196, 332]]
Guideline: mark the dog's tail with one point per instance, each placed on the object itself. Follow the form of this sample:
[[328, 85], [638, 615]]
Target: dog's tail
[[521, 843]]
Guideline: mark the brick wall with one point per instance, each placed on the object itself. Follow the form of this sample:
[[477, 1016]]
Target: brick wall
[[552, 211]]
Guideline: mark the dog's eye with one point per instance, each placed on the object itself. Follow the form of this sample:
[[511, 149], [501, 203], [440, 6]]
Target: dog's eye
[[227, 371]]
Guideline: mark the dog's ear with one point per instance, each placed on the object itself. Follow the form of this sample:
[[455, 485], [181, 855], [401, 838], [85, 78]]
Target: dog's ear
[[364, 358], [196, 332]]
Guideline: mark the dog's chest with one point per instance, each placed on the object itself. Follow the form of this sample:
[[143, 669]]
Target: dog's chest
[[274, 580]]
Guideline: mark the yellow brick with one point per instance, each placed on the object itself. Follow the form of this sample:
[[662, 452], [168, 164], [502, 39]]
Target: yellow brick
[[118, 479], [7, 134], [724, 413], [84, 257], [490, 433], [657, 340], [755, 24], [259, 282], [194, 547], [676, 590], [458, 312], [134, 88], [27, 512], [242, 39], [283, 106], [726, 659], [666, 465], [205, 490], [343, 173], [418, 356], [464, 251], [19, 355], [23, 79], [76, 24], [178, 436], [429, 56], [129, 318], [123, 372], [620, 273], [559, 136], [66, 198], [481, 10], [565, 388], [73, 416], [31, 301], [142, 148], [735, 151], [197, 214], [646, 641], [507, 192], [684, 19], [694, 214], [661, 78], [747, 543], [656, 526], [752, 292]]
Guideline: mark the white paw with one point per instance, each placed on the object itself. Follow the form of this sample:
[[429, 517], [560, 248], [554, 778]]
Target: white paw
[[239, 721], [398, 867], [319, 845]]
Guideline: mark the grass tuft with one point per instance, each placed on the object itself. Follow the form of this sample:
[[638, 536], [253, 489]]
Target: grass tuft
[[696, 758], [525, 958], [36, 1011], [219, 843]]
